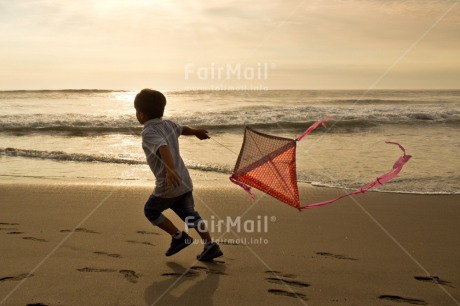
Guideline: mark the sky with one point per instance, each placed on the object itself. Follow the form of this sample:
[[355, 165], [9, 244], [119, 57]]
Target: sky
[[183, 45]]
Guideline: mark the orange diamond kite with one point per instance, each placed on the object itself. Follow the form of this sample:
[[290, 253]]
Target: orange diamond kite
[[267, 163]]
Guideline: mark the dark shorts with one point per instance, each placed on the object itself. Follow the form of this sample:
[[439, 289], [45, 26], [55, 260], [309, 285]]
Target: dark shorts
[[183, 206]]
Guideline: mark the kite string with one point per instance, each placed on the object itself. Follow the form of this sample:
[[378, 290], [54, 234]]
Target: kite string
[[212, 138], [232, 179]]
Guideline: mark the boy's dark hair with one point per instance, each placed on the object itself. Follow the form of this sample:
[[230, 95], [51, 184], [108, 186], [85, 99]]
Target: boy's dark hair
[[150, 102]]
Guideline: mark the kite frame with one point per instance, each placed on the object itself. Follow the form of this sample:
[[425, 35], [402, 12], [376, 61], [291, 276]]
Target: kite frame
[[292, 143]]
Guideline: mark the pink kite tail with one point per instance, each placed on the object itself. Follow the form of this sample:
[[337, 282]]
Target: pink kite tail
[[400, 146], [397, 167], [314, 126], [242, 185]]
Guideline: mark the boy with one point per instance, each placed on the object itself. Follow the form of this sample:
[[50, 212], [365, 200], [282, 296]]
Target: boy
[[173, 187]]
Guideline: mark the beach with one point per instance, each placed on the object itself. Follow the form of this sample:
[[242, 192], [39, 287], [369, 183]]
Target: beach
[[74, 244]]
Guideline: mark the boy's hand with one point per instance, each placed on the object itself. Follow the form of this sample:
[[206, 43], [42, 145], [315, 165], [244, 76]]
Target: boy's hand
[[173, 178], [201, 134]]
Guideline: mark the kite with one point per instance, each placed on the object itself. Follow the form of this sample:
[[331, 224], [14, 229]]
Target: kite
[[268, 163]]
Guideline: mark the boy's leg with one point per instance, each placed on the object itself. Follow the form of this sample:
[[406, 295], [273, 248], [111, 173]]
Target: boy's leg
[[185, 209], [153, 211], [168, 227], [203, 232], [211, 249]]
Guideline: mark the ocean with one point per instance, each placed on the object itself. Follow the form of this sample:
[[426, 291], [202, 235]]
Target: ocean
[[93, 137]]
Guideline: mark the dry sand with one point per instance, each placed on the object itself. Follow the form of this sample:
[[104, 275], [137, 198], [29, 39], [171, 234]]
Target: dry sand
[[91, 245]]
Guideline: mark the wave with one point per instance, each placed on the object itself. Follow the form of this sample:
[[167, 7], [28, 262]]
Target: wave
[[347, 119], [49, 94], [66, 130], [63, 91], [343, 126], [89, 158], [359, 101], [423, 191], [63, 156], [406, 185], [424, 185]]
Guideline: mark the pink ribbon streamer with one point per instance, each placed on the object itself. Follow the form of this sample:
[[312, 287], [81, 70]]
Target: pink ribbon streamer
[[397, 167], [314, 126], [242, 185]]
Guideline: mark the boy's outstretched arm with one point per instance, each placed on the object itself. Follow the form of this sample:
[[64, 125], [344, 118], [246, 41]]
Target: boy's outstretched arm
[[172, 177], [199, 133]]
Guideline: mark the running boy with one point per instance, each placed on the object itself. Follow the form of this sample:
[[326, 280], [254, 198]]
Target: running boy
[[173, 187]]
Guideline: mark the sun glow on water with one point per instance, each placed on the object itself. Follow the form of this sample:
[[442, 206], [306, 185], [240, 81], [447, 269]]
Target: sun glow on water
[[124, 96]]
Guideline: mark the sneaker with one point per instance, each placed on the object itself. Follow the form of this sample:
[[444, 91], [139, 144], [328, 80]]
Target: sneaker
[[210, 252], [178, 244]]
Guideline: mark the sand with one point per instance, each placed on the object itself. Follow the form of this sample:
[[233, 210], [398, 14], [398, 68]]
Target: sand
[[91, 245]]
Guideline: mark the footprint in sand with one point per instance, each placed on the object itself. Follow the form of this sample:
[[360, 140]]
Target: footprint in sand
[[292, 283], [189, 273], [434, 280], [276, 279], [88, 269], [15, 278], [140, 242], [130, 275], [277, 273], [326, 254], [79, 230], [108, 254], [399, 299], [147, 233], [8, 228], [198, 268], [287, 293], [35, 239]]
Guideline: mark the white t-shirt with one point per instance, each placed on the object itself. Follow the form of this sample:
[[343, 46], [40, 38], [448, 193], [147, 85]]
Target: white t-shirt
[[157, 133]]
